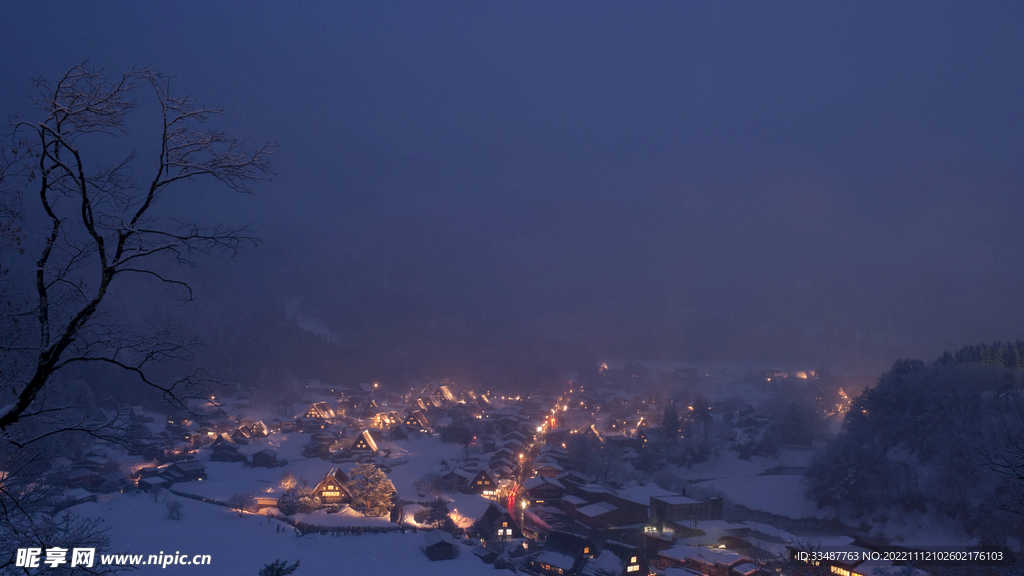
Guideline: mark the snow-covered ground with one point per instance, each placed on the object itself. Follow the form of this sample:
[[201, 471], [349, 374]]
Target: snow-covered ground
[[243, 545], [780, 494]]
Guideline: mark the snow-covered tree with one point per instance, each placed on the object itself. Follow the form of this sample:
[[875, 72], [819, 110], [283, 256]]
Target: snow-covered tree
[[288, 481], [372, 491]]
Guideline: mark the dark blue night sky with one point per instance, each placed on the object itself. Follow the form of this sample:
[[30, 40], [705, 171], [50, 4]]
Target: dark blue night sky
[[802, 181]]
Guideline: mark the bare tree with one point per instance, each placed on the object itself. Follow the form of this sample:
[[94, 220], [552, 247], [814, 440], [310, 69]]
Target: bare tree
[[174, 510], [242, 503], [104, 224], [105, 221]]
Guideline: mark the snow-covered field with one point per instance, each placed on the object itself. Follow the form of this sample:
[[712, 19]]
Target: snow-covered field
[[243, 545]]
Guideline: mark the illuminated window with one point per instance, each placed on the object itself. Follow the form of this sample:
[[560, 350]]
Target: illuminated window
[[586, 550], [328, 494], [633, 559], [479, 481], [504, 524], [632, 568]]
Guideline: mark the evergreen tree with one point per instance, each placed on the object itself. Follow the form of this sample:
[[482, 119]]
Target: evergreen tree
[[372, 491], [438, 512]]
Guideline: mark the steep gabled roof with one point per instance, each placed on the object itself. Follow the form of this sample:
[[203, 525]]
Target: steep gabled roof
[[364, 441], [335, 477]]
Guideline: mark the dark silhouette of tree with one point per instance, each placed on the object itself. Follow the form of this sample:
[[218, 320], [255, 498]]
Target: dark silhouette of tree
[[278, 568], [104, 225], [105, 222], [670, 423]]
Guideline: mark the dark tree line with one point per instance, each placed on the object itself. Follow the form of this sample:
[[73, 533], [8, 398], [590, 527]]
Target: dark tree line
[[944, 438]]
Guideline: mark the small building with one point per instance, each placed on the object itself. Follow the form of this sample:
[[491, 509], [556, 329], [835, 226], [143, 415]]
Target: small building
[[265, 458], [542, 489], [241, 435], [260, 430], [617, 559], [548, 468], [316, 450], [710, 561], [666, 510], [562, 554], [440, 545], [189, 470], [649, 437]]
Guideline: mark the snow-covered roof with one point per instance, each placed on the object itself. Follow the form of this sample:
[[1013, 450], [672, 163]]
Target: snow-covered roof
[[596, 509], [540, 481], [643, 494], [556, 559], [606, 563], [700, 554], [435, 537]]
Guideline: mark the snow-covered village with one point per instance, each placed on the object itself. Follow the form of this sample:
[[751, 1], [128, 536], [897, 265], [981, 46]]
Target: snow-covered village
[[602, 288], [443, 478]]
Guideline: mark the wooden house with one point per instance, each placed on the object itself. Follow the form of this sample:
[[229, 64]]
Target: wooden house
[[483, 482], [542, 489], [557, 437], [617, 559], [241, 435], [548, 468], [562, 554], [710, 561], [264, 459], [497, 523], [649, 437], [320, 411], [189, 470], [316, 450], [381, 421], [417, 420], [260, 430], [334, 488], [364, 444], [440, 545]]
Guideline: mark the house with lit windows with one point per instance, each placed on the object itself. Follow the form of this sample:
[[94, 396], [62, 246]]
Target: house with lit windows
[[334, 488], [320, 411], [497, 524], [417, 420], [364, 444], [541, 489], [562, 554], [617, 559], [483, 482]]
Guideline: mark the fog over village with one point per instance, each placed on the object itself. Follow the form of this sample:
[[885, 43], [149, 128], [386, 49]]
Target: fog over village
[[596, 289]]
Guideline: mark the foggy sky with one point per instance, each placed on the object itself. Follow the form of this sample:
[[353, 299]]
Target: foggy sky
[[800, 182]]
